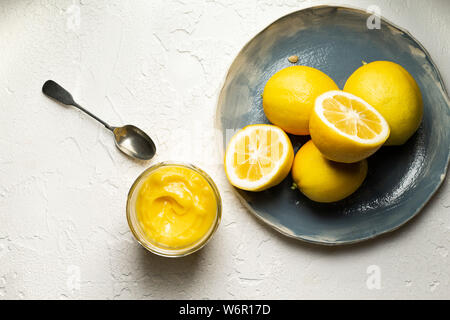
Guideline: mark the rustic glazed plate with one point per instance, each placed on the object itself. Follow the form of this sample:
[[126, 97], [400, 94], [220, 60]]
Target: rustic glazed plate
[[400, 181]]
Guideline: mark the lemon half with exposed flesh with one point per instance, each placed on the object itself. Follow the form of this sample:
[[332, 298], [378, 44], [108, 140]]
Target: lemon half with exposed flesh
[[345, 128], [258, 157]]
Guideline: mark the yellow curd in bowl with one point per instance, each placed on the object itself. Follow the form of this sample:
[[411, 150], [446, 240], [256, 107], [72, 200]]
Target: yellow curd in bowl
[[173, 209]]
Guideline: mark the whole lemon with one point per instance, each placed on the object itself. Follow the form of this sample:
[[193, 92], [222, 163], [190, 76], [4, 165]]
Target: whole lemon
[[390, 89], [323, 180], [289, 96]]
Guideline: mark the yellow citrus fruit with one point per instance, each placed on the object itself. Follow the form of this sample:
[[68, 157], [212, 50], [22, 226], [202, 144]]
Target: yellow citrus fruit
[[258, 157], [323, 180], [390, 89], [345, 128], [289, 97]]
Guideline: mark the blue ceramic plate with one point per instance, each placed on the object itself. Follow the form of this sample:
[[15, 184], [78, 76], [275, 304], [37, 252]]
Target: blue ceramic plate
[[400, 181]]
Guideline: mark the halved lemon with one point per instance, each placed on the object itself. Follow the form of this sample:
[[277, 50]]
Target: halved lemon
[[345, 128], [258, 157]]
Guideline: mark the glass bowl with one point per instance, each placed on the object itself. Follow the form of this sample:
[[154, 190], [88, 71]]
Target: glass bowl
[[139, 233]]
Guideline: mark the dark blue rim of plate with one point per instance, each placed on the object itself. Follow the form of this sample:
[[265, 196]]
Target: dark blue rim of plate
[[306, 238]]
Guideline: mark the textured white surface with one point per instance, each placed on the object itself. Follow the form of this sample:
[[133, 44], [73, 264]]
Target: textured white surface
[[159, 65]]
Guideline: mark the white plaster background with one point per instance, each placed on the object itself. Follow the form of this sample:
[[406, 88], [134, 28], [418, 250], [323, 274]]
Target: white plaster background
[[159, 65]]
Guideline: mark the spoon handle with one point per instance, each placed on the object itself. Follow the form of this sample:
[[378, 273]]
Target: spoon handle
[[55, 91], [76, 105]]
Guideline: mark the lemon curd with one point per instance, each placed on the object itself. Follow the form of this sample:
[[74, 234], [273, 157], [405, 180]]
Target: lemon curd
[[176, 208]]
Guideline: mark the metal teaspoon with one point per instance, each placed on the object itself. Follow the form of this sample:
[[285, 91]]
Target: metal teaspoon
[[129, 139]]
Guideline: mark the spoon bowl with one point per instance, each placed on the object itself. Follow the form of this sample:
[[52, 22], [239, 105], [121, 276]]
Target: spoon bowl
[[129, 139], [134, 142]]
